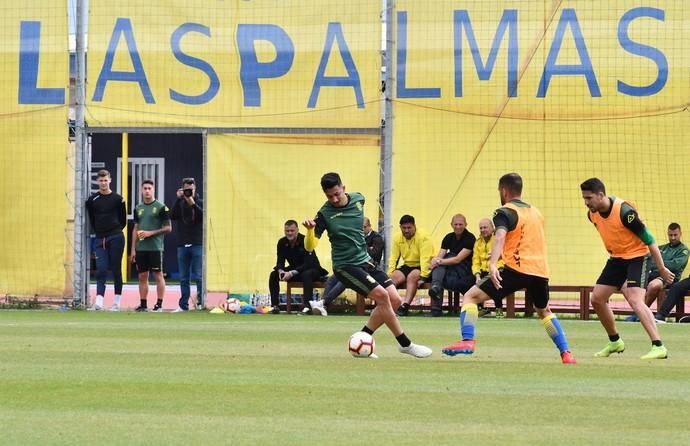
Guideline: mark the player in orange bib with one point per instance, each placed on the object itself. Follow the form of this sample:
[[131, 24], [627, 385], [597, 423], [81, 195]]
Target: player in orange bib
[[520, 241], [628, 241]]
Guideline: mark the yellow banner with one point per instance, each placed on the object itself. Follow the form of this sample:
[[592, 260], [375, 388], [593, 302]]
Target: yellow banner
[[34, 82], [209, 63], [257, 183], [558, 91]]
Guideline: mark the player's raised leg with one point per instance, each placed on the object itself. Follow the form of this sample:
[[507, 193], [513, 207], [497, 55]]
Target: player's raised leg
[[468, 318], [553, 328]]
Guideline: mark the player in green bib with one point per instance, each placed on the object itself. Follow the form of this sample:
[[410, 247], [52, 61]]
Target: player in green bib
[[343, 217], [151, 223]]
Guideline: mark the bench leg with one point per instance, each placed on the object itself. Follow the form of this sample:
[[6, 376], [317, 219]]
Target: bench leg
[[288, 298], [360, 305], [510, 305]]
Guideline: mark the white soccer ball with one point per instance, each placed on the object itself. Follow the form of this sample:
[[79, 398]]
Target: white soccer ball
[[233, 305], [361, 345]]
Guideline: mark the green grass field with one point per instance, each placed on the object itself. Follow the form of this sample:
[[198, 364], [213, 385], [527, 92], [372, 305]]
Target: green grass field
[[196, 378]]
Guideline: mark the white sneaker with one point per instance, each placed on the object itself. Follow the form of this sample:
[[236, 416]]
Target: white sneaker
[[418, 351], [178, 310], [199, 307], [95, 307], [660, 321], [318, 308], [305, 311], [115, 308]]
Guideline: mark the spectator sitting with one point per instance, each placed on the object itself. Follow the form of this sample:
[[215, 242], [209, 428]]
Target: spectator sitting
[[480, 258], [334, 287], [673, 296], [303, 266], [374, 242], [675, 256], [416, 250], [452, 266]]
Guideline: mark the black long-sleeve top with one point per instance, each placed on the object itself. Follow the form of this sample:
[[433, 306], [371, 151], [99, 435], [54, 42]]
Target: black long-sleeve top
[[375, 246], [107, 213], [189, 221], [296, 256]]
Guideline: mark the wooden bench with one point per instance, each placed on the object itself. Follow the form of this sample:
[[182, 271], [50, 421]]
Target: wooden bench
[[582, 307], [453, 300], [298, 285]]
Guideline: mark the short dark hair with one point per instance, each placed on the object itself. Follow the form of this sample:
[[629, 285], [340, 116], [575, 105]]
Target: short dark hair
[[406, 219], [103, 173], [188, 180], [329, 180], [147, 181], [674, 226], [290, 223], [593, 185], [511, 181]]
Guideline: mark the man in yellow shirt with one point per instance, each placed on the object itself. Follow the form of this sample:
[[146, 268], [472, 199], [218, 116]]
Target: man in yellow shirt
[[416, 249], [480, 259]]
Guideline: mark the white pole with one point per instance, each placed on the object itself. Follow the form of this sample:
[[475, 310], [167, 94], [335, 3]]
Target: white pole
[[82, 162], [387, 152]]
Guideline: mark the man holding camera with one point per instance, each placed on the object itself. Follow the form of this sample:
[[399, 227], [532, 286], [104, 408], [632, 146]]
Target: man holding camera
[[189, 216]]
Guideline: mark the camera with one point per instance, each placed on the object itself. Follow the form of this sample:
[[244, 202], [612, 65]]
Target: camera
[[187, 192]]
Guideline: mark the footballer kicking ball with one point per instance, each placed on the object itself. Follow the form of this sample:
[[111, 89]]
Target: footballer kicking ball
[[233, 305], [361, 345]]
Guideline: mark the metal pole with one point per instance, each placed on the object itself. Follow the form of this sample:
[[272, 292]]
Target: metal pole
[[124, 182], [387, 150], [204, 226], [81, 177]]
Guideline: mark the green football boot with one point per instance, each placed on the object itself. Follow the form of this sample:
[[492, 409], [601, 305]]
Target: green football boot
[[657, 352], [612, 347]]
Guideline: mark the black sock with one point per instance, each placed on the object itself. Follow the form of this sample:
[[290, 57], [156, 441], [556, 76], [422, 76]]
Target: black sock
[[159, 302], [405, 305], [403, 340], [368, 330], [657, 343], [614, 338], [142, 303]]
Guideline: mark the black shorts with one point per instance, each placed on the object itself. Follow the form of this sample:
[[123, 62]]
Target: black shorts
[[618, 272], [536, 287], [362, 278], [149, 261], [406, 270]]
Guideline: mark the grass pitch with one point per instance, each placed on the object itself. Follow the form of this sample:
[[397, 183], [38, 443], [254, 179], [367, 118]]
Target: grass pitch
[[196, 378]]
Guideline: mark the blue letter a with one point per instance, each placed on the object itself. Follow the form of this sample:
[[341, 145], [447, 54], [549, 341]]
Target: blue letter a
[[123, 26], [335, 32]]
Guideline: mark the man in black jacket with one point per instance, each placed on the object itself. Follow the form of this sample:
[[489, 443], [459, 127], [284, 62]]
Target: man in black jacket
[[108, 217], [188, 213], [302, 266]]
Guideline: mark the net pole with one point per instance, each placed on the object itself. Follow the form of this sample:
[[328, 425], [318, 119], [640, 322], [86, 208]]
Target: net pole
[[387, 151], [81, 177], [124, 180]]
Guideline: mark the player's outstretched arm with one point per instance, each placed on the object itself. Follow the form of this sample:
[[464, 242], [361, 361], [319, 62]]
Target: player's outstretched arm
[[310, 240]]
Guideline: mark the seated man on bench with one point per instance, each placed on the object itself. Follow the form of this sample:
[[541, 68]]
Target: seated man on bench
[[302, 266]]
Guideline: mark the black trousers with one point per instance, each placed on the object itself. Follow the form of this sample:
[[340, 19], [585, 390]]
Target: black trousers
[[673, 295], [307, 277]]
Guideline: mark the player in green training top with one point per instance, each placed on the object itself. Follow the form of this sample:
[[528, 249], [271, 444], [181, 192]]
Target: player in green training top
[[151, 223], [343, 217]]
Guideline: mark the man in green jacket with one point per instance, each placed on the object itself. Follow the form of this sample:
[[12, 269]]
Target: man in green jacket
[[675, 255]]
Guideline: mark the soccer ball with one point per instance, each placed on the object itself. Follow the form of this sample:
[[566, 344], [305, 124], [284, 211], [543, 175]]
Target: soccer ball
[[361, 345], [233, 305]]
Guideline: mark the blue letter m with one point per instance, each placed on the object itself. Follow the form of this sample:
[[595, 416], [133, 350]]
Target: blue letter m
[[461, 19]]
